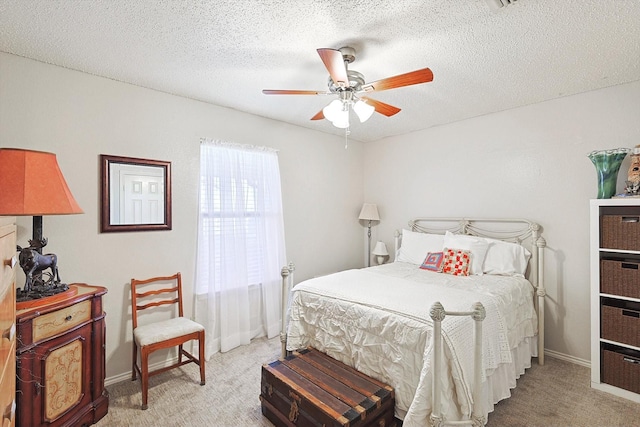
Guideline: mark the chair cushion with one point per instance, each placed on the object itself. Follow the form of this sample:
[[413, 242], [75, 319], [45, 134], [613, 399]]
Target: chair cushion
[[165, 330]]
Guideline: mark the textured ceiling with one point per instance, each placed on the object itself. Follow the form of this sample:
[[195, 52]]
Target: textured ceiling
[[225, 52]]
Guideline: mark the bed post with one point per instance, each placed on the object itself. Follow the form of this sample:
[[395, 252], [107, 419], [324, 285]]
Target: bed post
[[396, 236], [541, 292], [537, 280], [287, 279], [437, 314], [479, 314]]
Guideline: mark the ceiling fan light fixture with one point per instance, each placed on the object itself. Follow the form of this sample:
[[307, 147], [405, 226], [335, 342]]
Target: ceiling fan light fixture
[[333, 110], [342, 119], [363, 110]]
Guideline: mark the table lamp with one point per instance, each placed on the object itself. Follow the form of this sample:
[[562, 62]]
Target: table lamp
[[31, 184], [380, 251]]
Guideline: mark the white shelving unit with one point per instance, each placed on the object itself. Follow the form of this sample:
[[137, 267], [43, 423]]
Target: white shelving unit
[[615, 338]]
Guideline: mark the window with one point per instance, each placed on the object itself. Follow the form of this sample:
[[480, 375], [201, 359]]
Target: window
[[240, 212], [240, 244]]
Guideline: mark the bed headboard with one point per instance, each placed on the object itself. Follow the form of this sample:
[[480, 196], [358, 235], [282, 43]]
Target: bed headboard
[[521, 231]]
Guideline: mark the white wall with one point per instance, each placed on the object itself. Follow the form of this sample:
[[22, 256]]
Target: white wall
[[79, 116], [529, 162]]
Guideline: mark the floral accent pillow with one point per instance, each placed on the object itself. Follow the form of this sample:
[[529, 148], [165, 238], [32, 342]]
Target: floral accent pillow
[[456, 262], [433, 262]]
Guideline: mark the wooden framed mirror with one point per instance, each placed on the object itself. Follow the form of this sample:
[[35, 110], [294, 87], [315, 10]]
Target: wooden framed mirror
[[135, 194]]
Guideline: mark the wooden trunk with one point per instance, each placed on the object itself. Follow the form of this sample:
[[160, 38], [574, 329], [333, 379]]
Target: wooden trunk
[[309, 388]]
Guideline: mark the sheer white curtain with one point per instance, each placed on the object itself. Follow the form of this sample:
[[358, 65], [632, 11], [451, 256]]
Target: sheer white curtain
[[241, 247]]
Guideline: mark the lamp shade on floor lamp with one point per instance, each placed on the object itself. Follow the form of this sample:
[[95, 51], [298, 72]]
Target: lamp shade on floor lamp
[[369, 212]]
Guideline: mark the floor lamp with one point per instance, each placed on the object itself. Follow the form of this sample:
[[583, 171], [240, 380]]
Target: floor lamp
[[369, 213]]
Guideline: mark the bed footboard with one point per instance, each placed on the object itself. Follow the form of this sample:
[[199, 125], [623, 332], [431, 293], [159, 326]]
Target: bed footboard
[[438, 314]]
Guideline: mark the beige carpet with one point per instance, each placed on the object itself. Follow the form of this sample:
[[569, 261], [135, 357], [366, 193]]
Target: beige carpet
[[557, 394]]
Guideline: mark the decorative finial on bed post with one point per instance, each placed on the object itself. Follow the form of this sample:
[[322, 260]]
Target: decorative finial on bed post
[[541, 242], [437, 312], [479, 312]]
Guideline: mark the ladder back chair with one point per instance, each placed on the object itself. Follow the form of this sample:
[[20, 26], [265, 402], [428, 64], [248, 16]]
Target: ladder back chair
[[162, 293]]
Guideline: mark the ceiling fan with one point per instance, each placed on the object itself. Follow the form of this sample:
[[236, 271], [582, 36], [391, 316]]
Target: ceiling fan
[[350, 84]]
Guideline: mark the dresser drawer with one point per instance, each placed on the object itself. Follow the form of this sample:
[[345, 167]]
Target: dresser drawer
[[7, 341], [8, 257], [7, 318], [7, 390], [57, 322]]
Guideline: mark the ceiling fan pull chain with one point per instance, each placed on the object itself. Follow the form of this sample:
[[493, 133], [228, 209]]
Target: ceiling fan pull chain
[[346, 138]]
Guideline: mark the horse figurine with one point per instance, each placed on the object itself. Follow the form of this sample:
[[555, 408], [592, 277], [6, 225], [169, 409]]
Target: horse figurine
[[32, 262]]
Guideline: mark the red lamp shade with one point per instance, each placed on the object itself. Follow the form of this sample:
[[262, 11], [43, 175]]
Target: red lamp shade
[[31, 183]]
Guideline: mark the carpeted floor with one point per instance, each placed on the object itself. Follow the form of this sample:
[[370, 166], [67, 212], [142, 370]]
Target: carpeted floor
[[556, 394]]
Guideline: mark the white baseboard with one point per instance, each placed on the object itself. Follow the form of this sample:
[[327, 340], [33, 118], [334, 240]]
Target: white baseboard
[[567, 358], [126, 376]]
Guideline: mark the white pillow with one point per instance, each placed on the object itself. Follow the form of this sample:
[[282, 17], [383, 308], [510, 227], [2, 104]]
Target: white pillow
[[476, 245], [415, 246], [506, 258]]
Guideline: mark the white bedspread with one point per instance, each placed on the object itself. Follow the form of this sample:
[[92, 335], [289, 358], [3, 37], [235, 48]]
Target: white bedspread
[[377, 320]]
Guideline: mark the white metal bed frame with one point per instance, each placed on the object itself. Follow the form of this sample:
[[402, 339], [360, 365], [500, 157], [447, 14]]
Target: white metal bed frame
[[518, 231]]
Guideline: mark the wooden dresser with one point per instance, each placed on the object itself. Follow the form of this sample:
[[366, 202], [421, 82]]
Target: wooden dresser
[[8, 258], [61, 360]]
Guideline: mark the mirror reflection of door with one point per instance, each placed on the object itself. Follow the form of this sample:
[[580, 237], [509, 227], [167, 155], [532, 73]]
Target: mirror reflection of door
[[137, 194], [142, 198]]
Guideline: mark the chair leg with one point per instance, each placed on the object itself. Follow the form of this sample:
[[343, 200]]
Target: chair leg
[[180, 353], [201, 357], [135, 360], [144, 362]]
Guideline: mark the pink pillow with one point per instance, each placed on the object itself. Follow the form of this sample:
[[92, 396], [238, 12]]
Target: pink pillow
[[433, 262]]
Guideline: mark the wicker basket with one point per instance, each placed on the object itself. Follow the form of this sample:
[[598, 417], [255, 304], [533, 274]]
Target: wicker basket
[[621, 325], [620, 278], [620, 232], [621, 370]]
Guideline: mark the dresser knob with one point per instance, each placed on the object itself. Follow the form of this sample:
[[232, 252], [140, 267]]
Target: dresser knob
[[10, 411], [10, 332], [11, 262], [69, 317]]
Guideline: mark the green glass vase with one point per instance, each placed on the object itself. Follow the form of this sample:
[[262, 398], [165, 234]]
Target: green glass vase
[[607, 163]]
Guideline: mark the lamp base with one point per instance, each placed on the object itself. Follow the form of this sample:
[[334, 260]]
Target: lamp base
[[40, 289], [46, 300]]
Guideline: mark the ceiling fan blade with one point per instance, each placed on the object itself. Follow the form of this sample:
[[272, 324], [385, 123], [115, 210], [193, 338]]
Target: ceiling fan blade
[[318, 116], [414, 77], [291, 92], [381, 107], [334, 62]]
